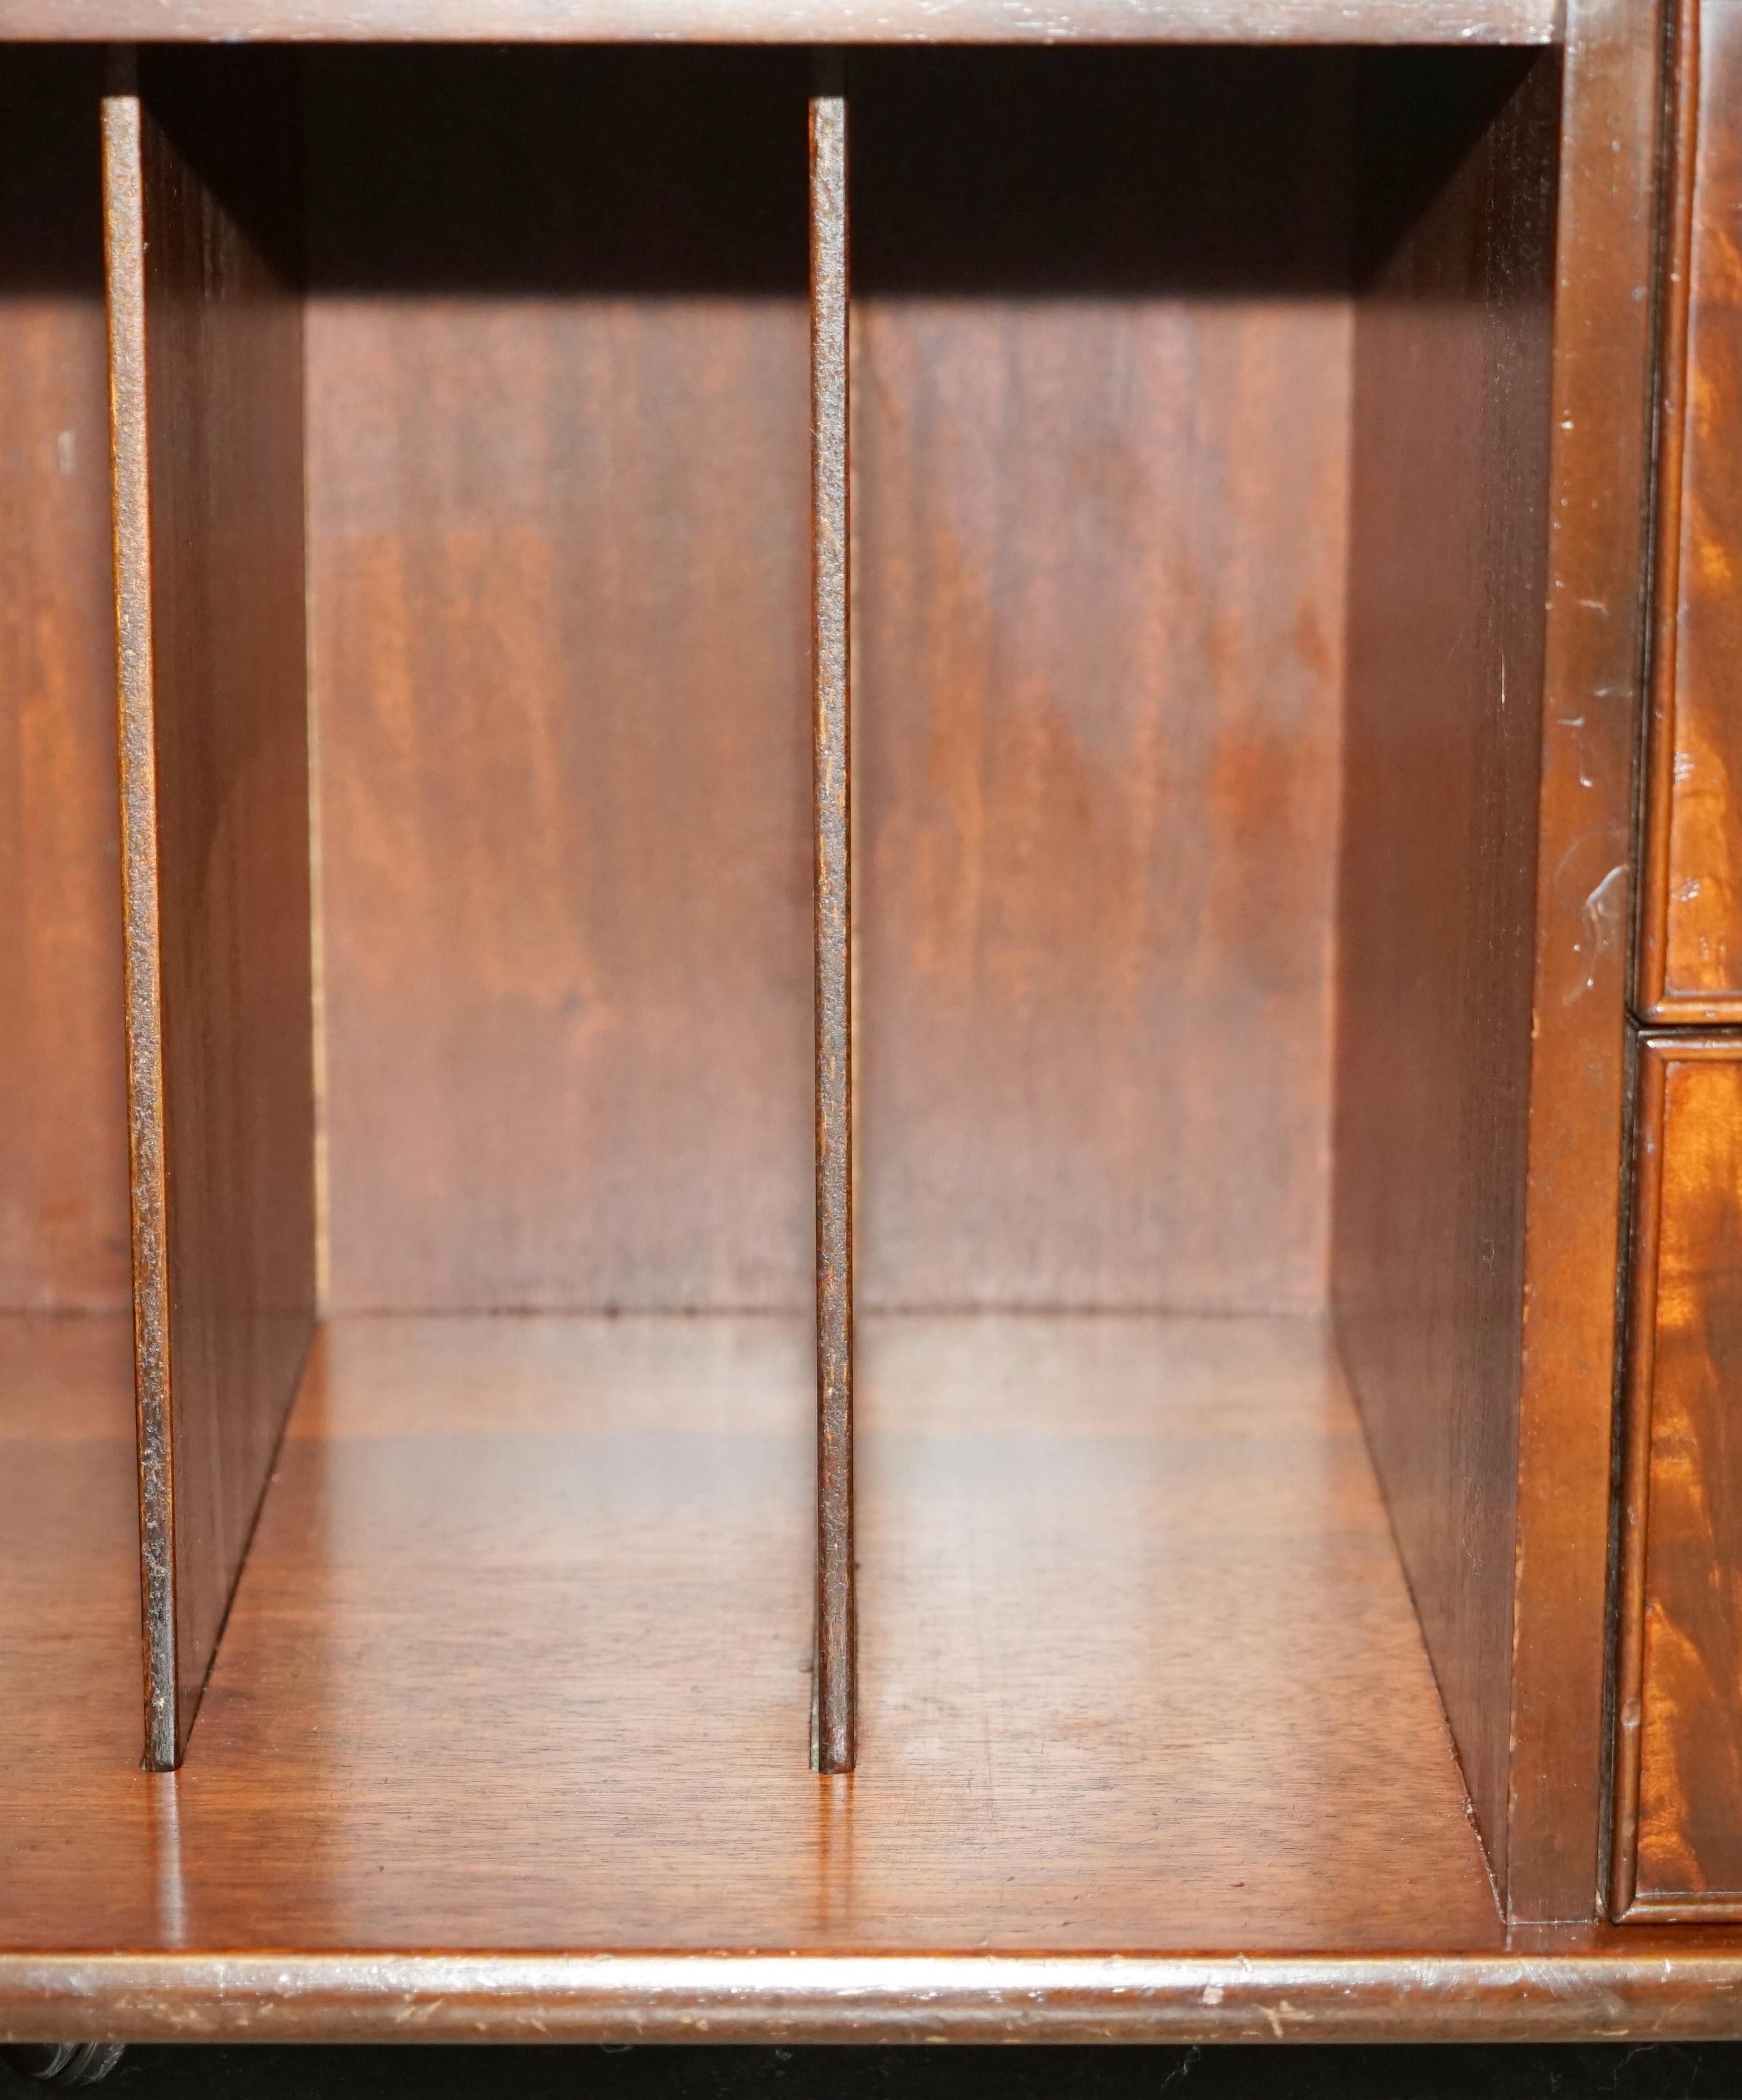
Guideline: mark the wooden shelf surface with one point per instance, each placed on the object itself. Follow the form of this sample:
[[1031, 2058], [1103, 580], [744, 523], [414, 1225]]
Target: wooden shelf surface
[[506, 1736], [519, 1654], [792, 21]]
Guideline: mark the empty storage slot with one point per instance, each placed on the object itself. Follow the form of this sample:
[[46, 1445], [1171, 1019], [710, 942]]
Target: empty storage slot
[[520, 1651]]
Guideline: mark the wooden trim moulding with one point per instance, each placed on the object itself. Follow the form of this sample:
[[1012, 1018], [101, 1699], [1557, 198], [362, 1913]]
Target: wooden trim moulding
[[1594, 1995], [1460, 22]]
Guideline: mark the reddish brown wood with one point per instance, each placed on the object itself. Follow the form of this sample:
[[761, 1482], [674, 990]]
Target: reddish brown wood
[[1101, 377], [205, 376], [559, 603], [1690, 947], [795, 21], [1590, 712], [1447, 546], [1679, 1693], [1141, 1671], [63, 1142], [831, 609]]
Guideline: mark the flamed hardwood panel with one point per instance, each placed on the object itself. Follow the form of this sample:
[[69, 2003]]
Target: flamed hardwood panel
[[1678, 1828], [1690, 919]]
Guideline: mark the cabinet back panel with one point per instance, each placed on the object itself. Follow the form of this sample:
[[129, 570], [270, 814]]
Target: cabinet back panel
[[1102, 387], [63, 1131], [559, 461], [558, 522]]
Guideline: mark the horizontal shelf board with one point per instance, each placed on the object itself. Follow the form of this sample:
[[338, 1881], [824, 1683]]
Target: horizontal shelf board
[[796, 21], [518, 1658]]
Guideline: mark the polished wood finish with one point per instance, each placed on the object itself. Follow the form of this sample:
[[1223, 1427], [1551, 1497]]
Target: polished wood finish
[[558, 510], [205, 393], [1252, 466], [793, 21], [1441, 741], [1140, 1667], [1598, 448], [830, 614], [1677, 1847], [1690, 946], [1101, 438], [62, 1141], [1560, 1990]]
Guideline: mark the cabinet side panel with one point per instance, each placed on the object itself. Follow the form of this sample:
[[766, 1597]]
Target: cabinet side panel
[[222, 631], [1445, 681], [1599, 440], [63, 1151]]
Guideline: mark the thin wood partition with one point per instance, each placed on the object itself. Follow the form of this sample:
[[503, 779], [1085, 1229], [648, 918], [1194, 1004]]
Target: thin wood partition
[[205, 398], [831, 613]]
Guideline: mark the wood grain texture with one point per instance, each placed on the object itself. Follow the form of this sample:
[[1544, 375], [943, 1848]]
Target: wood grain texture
[[1101, 435], [785, 21], [1139, 1669], [1599, 443], [558, 509], [1678, 1788], [63, 1130], [1690, 946], [206, 388], [1449, 540]]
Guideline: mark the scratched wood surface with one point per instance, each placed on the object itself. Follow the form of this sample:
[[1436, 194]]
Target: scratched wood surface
[[1139, 1666], [1599, 447], [796, 21], [1101, 448], [1448, 544], [63, 1142], [207, 390], [1691, 930], [1678, 1835]]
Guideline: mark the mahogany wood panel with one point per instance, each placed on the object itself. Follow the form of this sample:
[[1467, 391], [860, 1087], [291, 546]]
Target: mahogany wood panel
[[1678, 1757], [1599, 441], [63, 1128], [1447, 546], [1690, 947], [1141, 1671], [206, 387], [1101, 387], [780, 21], [559, 505]]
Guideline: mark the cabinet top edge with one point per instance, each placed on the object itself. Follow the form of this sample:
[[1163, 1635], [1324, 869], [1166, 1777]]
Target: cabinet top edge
[[1440, 22]]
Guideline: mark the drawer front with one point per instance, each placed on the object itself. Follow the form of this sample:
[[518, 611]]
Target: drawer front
[[1691, 951], [1678, 1774]]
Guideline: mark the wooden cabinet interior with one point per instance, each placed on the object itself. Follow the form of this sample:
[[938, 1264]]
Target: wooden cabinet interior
[[1240, 866]]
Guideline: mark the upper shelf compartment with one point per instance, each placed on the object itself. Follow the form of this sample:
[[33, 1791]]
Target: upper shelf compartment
[[789, 21]]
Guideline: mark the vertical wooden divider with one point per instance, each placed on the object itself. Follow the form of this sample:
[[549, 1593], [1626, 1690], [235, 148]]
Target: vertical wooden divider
[[205, 361], [834, 1724]]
